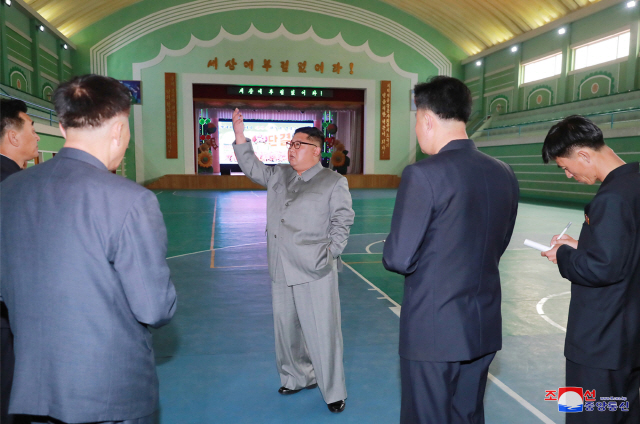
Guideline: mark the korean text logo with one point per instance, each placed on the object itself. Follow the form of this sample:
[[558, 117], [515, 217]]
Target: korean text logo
[[575, 399]]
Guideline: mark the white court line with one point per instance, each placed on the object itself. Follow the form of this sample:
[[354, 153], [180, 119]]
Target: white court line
[[544, 316], [158, 193], [396, 310], [375, 242], [535, 411], [187, 254], [218, 248]]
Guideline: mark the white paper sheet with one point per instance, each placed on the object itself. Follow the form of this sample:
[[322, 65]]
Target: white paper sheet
[[537, 246]]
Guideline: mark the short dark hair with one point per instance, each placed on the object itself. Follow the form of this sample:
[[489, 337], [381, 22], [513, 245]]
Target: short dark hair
[[572, 132], [90, 100], [447, 97], [10, 115], [313, 133]]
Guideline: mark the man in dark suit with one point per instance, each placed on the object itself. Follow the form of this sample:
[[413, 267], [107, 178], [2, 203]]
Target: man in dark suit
[[602, 346], [18, 137], [453, 219], [83, 270], [18, 144]]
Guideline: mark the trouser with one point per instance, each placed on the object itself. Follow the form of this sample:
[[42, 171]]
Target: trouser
[[624, 382], [444, 392], [308, 335], [7, 361], [149, 419]]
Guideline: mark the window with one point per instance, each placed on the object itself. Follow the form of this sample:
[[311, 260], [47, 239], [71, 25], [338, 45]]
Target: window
[[605, 50], [543, 68]]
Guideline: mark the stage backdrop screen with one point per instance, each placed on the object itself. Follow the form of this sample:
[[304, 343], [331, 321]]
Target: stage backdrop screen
[[269, 139]]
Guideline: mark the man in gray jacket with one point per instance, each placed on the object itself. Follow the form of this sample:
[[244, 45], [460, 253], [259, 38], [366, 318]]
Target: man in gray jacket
[[83, 270], [308, 219]]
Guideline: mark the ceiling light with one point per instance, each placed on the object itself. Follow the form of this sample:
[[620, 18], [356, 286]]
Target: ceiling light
[[64, 46], [631, 4], [41, 28], [478, 63], [7, 2], [514, 49], [562, 31]]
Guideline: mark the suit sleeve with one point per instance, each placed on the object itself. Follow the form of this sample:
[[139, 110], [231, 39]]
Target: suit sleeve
[[410, 221], [252, 167], [601, 261], [141, 263], [341, 217], [514, 211]]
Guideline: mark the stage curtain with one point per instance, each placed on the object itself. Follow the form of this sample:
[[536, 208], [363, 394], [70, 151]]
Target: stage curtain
[[350, 134]]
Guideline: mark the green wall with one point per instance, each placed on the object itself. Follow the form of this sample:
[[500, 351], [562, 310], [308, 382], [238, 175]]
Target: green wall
[[612, 78], [388, 59], [50, 142], [31, 61], [498, 81]]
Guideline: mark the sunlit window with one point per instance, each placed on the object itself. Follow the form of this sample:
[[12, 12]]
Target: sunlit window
[[543, 68], [604, 50]]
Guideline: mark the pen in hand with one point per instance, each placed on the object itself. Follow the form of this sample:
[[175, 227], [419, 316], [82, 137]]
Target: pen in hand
[[562, 233]]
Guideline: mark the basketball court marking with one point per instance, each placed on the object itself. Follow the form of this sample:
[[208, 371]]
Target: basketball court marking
[[396, 310], [544, 316], [187, 254], [213, 233], [375, 242], [520, 400], [220, 248]]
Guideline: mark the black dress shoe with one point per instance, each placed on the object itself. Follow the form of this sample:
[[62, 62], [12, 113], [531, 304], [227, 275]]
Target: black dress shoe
[[284, 391], [336, 406]]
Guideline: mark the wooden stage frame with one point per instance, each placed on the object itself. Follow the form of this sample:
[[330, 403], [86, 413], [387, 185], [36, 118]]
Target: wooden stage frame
[[241, 182]]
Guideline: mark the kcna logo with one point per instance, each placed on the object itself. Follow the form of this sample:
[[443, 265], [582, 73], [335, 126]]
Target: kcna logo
[[574, 399], [570, 399]]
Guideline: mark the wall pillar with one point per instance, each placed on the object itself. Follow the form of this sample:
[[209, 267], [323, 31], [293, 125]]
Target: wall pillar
[[633, 80], [36, 79], [4, 57], [60, 51], [517, 60], [567, 59], [483, 109]]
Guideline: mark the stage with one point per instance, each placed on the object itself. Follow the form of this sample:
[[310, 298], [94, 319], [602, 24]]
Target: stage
[[241, 182]]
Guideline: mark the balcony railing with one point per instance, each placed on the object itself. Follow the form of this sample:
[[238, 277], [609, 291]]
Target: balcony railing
[[37, 112], [613, 119]]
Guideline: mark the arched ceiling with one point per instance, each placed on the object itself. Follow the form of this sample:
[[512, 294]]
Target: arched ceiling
[[474, 25]]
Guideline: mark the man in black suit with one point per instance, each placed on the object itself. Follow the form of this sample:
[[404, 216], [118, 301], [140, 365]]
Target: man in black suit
[[453, 219], [83, 270], [602, 346], [18, 144], [18, 137]]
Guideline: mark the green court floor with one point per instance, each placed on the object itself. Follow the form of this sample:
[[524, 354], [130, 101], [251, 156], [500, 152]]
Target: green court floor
[[216, 360]]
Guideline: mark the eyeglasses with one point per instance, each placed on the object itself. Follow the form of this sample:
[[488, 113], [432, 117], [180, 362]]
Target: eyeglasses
[[296, 144]]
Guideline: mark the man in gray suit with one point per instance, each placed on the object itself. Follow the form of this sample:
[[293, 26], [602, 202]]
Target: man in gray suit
[[83, 270], [308, 219]]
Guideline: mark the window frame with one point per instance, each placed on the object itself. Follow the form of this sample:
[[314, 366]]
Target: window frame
[[594, 40], [539, 59]]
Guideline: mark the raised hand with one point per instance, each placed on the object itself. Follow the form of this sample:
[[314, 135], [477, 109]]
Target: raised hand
[[238, 126]]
